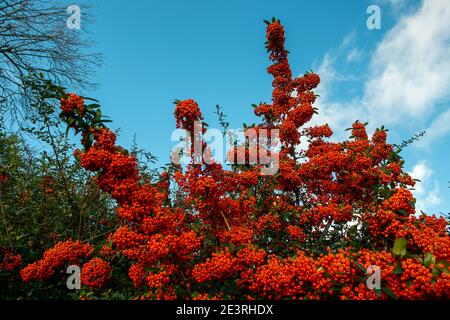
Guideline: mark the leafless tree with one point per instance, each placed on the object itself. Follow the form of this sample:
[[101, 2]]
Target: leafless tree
[[35, 39]]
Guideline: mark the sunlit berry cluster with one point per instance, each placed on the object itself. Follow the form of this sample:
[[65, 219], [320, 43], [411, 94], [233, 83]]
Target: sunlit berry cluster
[[72, 103], [68, 252], [95, 273], [186, 112]]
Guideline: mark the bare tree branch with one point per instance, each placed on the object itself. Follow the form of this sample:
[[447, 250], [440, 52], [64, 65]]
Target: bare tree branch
[[34, 38]]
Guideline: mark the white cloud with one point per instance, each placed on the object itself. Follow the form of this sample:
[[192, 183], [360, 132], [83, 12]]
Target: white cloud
[[439, 128], [410, 68], [408, 75], [354, 55], [433, 198], [421, 172], [339, 115], [427, 190], [396, 4]]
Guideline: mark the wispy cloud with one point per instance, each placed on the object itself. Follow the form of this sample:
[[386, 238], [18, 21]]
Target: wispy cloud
[[410, 68], [396, 4], [427, 190], [338, 114], [408, 74], [439, 128], [354, 55]]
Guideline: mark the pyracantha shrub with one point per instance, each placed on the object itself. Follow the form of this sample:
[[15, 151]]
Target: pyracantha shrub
[[333, 211]]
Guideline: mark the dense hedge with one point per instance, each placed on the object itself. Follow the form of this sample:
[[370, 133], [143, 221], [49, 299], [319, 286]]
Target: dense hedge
[[314, 230]]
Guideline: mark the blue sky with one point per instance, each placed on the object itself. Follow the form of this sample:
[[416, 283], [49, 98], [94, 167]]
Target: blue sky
[[213, 52]]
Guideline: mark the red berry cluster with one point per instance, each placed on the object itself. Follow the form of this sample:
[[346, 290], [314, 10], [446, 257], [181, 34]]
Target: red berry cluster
[[10, 261], [68, 252], [72, 103], [95, 273]]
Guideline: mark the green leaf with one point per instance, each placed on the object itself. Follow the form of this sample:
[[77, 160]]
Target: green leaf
[[389, 292], [399, 248], [398, 269], [379, 293], [446, 270], [91, 99], [428, 259], [360, 266], [436, 272]]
